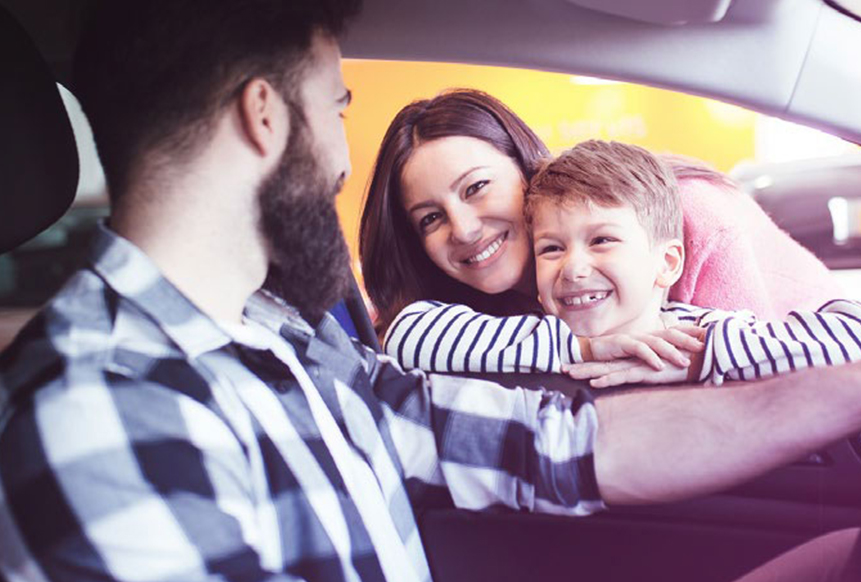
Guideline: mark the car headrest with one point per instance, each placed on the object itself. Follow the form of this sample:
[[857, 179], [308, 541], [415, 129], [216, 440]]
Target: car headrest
[[38, 156]]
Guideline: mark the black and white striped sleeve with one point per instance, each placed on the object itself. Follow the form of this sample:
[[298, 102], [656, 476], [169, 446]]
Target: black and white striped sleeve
[[686, 314], [441, 337], [738, 348]]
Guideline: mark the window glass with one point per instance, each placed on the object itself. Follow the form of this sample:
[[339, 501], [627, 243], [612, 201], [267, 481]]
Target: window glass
[[566, 109], [563, 109]]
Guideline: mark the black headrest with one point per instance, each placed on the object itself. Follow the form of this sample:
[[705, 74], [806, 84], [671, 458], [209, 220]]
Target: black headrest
[[38, 157]]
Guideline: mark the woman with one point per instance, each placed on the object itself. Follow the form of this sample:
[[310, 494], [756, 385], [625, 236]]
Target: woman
[[443, 221], [404, 253]]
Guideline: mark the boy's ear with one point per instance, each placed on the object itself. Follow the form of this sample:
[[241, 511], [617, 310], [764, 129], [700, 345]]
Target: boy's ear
[[672, 263]]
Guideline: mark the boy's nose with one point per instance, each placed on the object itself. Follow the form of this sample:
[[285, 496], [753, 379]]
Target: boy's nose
[[577, 266]]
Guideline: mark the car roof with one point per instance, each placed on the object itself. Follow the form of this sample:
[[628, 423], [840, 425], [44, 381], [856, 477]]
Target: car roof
[[790, 58], [794, 59]]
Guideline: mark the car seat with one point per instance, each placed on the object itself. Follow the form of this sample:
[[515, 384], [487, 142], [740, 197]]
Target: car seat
[[38, 156], [353, 316]]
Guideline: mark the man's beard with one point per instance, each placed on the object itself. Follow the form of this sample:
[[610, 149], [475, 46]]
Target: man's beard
[[309, 263]]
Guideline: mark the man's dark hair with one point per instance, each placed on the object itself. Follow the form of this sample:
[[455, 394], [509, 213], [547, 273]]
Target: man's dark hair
[[152, 75]]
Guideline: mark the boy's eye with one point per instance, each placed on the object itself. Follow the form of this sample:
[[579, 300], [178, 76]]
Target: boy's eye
[[601, 240], [475, 187], [427, 220], [548, 249]]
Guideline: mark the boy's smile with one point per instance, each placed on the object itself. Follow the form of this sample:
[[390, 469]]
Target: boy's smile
[[581, 300], [598, 269]]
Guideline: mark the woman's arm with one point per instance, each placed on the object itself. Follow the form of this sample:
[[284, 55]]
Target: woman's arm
[[739, 349], [440, 337]]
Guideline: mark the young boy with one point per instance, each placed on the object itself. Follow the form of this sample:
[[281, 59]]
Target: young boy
[[606, 226], [607, 229]]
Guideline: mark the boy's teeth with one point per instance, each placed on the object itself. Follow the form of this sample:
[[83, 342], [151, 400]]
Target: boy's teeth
[[486, 253], [583, 299]]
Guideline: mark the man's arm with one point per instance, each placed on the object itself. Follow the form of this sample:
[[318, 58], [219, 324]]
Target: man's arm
[[480, 445], [664, 445]]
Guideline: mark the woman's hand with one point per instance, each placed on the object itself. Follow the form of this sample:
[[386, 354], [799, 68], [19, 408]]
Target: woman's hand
[[656, 349]]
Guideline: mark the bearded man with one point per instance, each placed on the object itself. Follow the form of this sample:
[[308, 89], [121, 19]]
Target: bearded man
[[168, 418]]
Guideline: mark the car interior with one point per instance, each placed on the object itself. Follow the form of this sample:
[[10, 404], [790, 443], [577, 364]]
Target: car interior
[[789, 58]]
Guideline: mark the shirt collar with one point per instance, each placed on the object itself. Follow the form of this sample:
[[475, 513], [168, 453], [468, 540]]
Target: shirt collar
[[130, 272]]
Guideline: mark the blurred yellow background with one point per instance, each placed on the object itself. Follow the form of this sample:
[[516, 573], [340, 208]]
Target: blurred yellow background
[[562, 109]]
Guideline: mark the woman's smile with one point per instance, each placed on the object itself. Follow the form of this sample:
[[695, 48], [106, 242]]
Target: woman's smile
[[489, 253]]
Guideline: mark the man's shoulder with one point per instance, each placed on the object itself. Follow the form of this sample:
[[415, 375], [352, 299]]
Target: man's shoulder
[[82, 305], [87, 326]]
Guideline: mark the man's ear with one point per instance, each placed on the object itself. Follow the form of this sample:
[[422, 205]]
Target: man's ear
[[264, 117], [672, 263]]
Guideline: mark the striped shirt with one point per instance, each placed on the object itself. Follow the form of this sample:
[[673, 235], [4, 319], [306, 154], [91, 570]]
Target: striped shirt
[[440, 337], [140, 440]]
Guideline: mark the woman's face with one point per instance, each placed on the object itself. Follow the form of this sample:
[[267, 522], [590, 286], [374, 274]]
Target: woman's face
[[465, 200]]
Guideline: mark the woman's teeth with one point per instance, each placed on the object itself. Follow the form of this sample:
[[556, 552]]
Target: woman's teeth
[[488, 252], [585, 299]]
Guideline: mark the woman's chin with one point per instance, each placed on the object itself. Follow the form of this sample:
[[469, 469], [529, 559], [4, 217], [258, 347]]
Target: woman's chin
[[493, 287]]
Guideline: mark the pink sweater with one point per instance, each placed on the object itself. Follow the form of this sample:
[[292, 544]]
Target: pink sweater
[[738, 258]]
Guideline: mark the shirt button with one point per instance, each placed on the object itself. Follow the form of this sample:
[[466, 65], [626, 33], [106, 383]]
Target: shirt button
[[282, 386]]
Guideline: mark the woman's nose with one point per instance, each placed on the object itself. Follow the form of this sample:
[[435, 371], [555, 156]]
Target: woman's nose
[[465, 226]]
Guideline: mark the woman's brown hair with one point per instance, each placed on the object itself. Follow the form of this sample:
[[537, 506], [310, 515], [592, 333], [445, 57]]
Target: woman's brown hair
[[395, 267]]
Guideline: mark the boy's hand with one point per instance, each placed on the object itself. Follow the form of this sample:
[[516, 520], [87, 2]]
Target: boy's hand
[[635, 371], [630, 371], [654, 349]]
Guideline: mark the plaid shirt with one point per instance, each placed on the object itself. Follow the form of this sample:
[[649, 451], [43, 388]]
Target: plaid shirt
[[140, 441]]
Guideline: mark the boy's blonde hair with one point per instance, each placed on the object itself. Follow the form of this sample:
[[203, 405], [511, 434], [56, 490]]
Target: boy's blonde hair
[[612, 174]]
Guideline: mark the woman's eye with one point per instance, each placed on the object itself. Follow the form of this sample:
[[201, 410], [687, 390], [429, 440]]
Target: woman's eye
[[475, 187], [427, 220]]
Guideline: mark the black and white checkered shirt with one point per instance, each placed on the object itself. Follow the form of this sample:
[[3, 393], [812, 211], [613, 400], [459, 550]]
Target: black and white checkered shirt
[[142, 441]]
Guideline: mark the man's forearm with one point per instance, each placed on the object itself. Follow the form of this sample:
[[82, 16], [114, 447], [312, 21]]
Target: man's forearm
[[663, 445]]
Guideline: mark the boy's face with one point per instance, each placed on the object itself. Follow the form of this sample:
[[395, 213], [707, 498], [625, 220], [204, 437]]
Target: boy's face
[[598, 270]]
